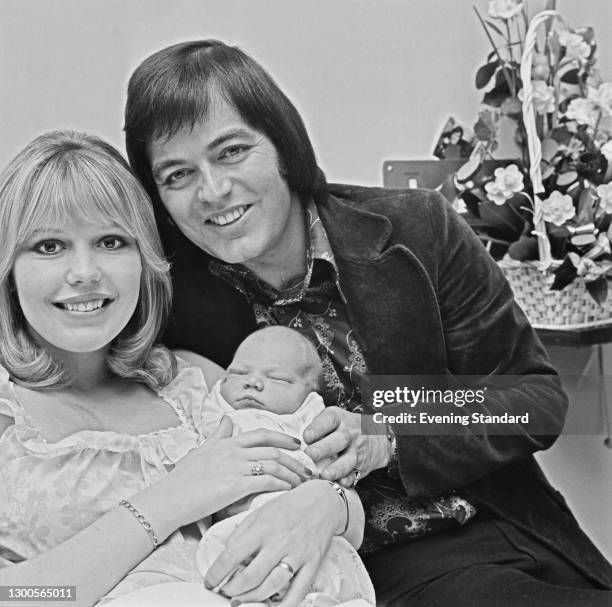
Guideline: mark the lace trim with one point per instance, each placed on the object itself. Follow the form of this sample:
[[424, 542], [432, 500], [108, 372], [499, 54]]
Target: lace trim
[[183, 386]]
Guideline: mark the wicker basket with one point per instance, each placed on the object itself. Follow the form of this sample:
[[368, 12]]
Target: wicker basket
[[573, 307]]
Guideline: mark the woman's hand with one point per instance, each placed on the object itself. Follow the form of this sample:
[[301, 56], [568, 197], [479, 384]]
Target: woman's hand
[[225, 469], [295, 529], [337, 432]]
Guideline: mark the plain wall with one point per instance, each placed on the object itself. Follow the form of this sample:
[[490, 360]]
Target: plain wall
[[374, 80]]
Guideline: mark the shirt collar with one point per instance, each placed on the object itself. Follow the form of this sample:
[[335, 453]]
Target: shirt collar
[[319, 243], [245, 281]]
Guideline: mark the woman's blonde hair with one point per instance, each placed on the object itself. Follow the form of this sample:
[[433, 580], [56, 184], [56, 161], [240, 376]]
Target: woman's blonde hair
[[65, 174]]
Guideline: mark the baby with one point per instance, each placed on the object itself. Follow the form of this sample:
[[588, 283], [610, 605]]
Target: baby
[[272, 383]]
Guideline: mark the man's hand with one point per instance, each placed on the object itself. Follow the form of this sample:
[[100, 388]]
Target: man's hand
[[337, 432], [277, 549]]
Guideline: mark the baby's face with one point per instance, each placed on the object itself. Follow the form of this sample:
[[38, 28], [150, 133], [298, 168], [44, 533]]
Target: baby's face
[[267, 374]]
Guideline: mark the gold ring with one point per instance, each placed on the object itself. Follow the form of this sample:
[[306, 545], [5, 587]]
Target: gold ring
[[357, 474], [257, 468], [288, 567]]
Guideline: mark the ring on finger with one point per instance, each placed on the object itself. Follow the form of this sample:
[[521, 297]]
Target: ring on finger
[[257, 468], [288, 567], [357, 474]]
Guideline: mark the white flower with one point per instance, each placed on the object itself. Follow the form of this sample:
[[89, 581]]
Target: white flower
[[583, 111], [543, 97], [558, 208], [601, 247], [508, 181], [504, 9], [587, 268], [575, 147], [459, 206], [594, 78], [604, 192], [604, 243], [495, 193], [606, 150], [575, 46], [602, 96]]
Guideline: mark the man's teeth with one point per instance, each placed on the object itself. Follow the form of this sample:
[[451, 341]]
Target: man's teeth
[[234, 214], [86, 306]]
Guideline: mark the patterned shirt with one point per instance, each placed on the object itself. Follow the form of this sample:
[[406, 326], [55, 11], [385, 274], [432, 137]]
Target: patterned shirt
[[315, 306]]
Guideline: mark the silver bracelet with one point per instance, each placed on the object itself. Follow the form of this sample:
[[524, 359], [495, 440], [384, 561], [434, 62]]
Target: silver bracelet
[[339, 489], [143, 521]]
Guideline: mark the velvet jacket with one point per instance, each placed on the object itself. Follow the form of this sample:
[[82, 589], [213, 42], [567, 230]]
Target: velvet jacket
[[424, 298]]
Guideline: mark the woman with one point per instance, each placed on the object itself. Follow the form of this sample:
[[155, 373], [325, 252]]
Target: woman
[[100, 456]]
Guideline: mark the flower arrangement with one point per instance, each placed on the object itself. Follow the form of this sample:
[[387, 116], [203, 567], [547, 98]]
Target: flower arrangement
[[571, 118]]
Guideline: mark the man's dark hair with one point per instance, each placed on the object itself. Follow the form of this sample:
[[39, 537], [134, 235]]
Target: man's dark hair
[[175, 88]]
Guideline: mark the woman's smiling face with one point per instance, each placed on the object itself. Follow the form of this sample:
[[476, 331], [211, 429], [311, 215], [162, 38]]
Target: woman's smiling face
[[222, 186], [78, 284]]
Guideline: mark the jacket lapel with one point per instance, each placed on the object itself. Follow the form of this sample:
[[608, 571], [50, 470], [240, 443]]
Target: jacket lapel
[[391, 301]]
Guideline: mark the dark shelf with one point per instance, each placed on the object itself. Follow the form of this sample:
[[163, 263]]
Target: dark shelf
[[576, 337]]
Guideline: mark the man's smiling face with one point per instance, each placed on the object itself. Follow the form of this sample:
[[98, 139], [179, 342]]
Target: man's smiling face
[[221, 184]]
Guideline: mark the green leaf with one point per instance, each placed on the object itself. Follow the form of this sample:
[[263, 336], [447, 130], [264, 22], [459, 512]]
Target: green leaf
[[561, 135], [505, 219], [484, 129], [494, 28], [559, 240], [549, 148], [496, 96], [598, 289], [513, 71], [485, 73], [602, 223], [511, 107], [586, 204], [570, 77], [588, 34], [564, 275], [526, 247]]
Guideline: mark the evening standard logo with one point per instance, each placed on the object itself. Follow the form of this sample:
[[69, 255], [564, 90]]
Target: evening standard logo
[[402, 395], [424, 418]]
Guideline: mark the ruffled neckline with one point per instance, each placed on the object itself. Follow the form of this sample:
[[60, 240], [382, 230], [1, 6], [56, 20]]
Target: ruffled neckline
[[184, 394]]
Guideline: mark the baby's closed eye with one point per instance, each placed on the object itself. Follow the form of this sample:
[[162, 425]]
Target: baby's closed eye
[[281, 377], [236, 371]]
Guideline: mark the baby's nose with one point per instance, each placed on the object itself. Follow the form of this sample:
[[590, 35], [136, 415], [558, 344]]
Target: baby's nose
[[253, 382]]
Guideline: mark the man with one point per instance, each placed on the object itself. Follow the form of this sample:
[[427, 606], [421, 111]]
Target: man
[[383, 283]]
